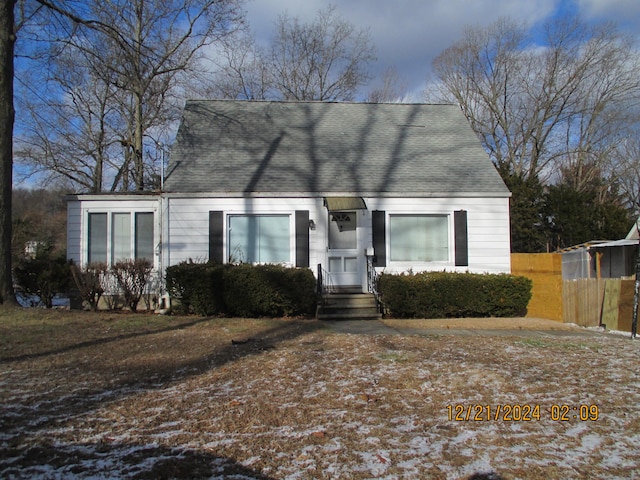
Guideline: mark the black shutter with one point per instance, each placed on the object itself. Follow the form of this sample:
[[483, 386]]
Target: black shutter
[[461, 247], [216, 237], [302, 238], [379, 238]]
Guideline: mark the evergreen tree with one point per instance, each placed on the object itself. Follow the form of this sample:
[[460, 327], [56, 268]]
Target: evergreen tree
[[527, 204], [578, 216]]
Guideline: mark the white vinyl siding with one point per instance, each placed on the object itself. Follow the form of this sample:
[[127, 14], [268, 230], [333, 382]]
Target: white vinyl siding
[[74, 232], [259, 238], [90, 228], [419, 238], [488, 236], [187, 226]]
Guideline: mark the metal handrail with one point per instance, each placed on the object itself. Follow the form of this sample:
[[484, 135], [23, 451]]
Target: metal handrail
[[372, 283], [324, 284]]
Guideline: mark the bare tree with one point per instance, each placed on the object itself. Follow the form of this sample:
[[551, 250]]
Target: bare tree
[[625, 161], [73, 138], [542, 107], [153, 40], [603, 110], [241, 71], [326, 60], [475, 73], [121, 83], [393, 89]]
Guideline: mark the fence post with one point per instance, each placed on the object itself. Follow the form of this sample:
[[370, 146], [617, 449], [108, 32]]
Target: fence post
[[636, 291]]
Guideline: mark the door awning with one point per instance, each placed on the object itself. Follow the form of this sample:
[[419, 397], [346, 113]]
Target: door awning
[[337, 204]]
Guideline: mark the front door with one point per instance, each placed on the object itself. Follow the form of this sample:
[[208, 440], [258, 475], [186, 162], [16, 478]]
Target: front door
[[345, 258]]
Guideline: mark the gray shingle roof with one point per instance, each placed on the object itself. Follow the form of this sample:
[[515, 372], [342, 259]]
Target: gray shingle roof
[[279, 148]]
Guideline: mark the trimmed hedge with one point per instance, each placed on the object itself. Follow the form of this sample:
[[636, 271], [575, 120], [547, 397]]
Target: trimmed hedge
[[197, 286], [454, 295], [242, 290]]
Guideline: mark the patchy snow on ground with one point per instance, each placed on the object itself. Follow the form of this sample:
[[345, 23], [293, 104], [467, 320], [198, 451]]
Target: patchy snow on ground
[[327, 405]]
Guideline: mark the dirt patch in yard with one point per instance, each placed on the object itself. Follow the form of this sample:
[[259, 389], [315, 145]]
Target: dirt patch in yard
[[155, 397], [484, 324]]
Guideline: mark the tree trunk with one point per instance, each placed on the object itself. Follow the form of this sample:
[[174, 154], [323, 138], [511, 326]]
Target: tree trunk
[[7, 115], [138, 158]]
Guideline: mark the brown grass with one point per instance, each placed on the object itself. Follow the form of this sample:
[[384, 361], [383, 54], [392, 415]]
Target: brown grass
[[115, 395]]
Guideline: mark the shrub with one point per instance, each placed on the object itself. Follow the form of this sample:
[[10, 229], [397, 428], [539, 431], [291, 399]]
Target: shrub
[[151, 293], [89, 282], [43, 275], [446, 295], [111, 296], [268, 290], [197, 286], [242, 290], [132, 277]]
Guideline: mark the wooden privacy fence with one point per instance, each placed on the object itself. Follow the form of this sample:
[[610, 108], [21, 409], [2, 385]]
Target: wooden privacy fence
[[588, 302], [582, 301], [545, 272], [617, 305]]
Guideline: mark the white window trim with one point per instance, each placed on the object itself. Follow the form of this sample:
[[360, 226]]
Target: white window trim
[[261, 213], [450, 236], [109, 212]]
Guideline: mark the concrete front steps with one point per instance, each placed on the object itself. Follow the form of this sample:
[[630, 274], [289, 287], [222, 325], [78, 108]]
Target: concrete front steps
[[348, 306]]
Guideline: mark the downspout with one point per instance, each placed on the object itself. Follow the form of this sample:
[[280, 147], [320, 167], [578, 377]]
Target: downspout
[[165, 301], [636, 289], [163, 259]]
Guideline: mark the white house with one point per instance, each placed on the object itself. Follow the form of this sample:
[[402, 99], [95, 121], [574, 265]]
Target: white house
[[308, 184]]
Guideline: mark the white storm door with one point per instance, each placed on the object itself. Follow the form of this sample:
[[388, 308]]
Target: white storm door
[[344, 255]]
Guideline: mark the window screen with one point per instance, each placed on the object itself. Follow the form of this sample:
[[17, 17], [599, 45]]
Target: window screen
[[121, 237], [131, 236], [144, 235], [97, 248], [259, 238], [419, 238]]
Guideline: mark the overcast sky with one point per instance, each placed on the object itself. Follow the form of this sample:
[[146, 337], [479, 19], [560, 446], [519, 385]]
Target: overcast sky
[[408, 34]]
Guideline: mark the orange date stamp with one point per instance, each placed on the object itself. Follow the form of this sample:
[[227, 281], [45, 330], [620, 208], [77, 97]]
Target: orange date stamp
[[522, 413]]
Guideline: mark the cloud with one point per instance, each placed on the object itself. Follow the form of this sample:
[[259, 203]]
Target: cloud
[[409, 34], [619, 10]]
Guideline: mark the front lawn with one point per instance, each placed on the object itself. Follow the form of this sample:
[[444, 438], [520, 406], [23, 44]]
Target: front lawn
[[113, 395]]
